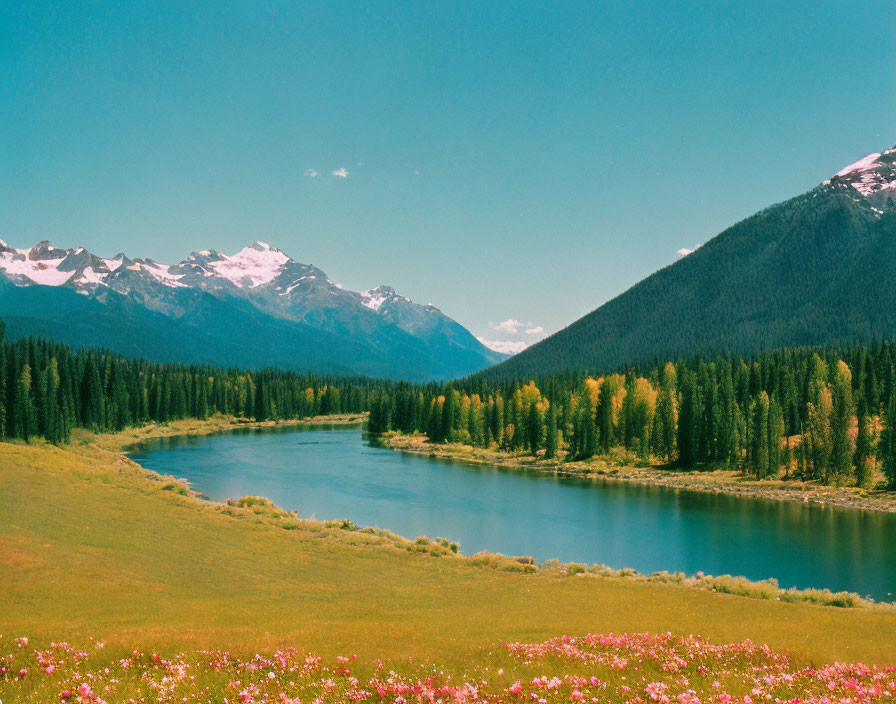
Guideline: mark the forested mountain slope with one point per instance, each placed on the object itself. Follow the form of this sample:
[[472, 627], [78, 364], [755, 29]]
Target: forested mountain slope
[[819, 268]]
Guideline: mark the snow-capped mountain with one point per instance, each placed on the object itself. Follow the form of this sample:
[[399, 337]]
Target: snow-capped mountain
[[374, 332]]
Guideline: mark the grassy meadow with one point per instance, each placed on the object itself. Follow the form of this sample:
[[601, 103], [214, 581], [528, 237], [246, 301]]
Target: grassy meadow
[[96, 547]]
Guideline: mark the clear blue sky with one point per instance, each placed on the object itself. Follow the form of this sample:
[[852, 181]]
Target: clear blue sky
[[506, 160]]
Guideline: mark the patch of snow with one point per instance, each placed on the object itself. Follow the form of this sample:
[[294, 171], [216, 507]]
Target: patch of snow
[[45, 273], [373, 299], [251, 266], [295, 284], [91, 276], [161, 272], [866, 162], [114, 264]]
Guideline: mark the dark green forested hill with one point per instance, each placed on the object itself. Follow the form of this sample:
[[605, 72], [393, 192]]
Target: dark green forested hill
[[817, 269]]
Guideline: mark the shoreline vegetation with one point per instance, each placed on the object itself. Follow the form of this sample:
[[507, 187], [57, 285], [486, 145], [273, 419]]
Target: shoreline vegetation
[[618, 468], [262, 509]]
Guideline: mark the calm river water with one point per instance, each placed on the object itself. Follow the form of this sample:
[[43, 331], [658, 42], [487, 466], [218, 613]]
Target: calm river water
[[331, 472]]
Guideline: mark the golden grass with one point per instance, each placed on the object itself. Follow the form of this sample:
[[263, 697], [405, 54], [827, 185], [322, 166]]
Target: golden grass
[[93, 545]]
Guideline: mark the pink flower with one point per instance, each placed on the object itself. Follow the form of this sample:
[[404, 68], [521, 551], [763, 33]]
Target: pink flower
[[515, 688]]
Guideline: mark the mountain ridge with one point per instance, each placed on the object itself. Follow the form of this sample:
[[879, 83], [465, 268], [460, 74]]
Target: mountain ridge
[[257, 291]]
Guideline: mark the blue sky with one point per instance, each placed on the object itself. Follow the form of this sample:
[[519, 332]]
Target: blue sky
[[512, 161]]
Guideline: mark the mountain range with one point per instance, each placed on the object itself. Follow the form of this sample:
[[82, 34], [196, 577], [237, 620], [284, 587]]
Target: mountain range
[[819, 268], [256, 308]]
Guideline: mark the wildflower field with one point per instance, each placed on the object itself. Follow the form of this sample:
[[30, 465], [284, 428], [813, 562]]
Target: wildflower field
[[595, 668], [195, 601]]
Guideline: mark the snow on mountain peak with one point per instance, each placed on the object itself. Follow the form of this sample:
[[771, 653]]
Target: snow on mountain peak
[[866, 162], [373, 298], [115, 262], [873, 176], [39, 264], [257, 264]]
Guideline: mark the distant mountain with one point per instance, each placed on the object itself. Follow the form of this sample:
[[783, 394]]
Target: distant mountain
[[819, 268], [256, 308]]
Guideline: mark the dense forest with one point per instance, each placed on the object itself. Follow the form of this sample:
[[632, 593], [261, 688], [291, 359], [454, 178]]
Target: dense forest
[[821, 413], [46, 389], [827, 413]]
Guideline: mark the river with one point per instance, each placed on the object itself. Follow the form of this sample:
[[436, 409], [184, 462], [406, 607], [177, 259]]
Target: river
[[328, 472]]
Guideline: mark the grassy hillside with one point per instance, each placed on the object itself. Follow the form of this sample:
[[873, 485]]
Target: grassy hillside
[[95, 546], [798, 273]]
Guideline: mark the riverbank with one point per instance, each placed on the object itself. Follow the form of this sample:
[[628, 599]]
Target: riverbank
[[121, 441], [96, 546], [718, 481]]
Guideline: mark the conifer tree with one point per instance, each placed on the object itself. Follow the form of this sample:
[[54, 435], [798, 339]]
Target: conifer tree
[[687, 423], [863, 447], [887, 445], [841, 446], [550, 434]]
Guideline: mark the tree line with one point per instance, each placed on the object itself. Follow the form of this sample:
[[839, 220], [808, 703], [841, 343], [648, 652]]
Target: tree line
[[820, 413], [824, 413], [46, 389]]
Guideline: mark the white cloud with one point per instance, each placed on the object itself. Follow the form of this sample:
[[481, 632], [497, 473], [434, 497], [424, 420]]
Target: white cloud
[[311, 173], [684, 251], [512, 335], [342, 172], [509, 326], [505, 346]]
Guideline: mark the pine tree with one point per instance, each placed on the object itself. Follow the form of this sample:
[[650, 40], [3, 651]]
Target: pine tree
[[533, 428], [550, 432], [775, 432], [841, 446], [760, 436], [687, 423], [887, 444], [604, 417], [863, 447]]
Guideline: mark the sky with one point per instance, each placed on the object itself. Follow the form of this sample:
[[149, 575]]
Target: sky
[[515, 163]]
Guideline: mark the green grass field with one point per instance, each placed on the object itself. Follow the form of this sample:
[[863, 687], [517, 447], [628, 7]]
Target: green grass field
[[95, 546]]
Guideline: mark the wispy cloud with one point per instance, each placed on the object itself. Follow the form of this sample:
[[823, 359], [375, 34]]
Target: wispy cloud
[[311, 173], [508, 327], [342, 172], [512, 336], [684, 251], [505, 346]]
